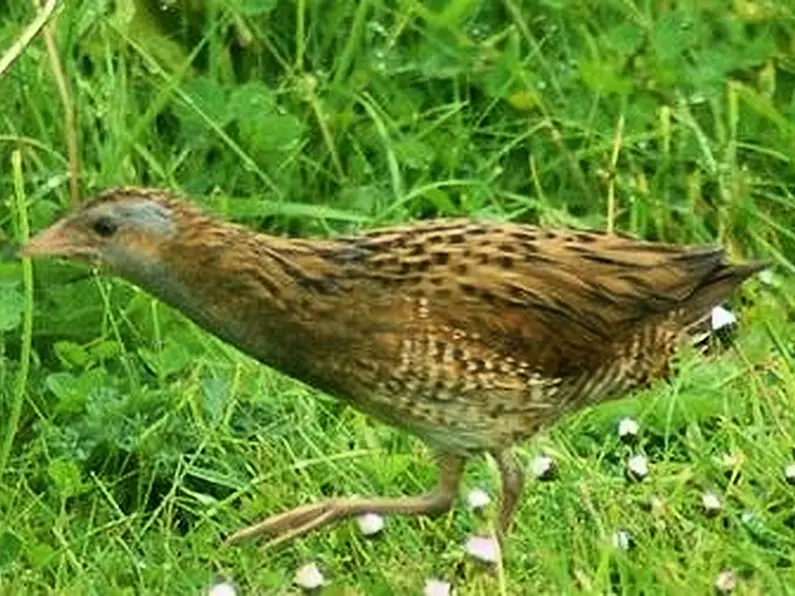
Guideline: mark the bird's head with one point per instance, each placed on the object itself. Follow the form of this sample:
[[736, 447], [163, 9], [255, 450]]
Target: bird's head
[[122, 229]]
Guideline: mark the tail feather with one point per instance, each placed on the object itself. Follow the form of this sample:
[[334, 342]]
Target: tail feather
[[716, 287]]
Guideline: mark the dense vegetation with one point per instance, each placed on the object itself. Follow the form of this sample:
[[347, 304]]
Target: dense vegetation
[[140, 439]]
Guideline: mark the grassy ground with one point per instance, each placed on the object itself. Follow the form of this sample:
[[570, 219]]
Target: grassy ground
[[140, 439]]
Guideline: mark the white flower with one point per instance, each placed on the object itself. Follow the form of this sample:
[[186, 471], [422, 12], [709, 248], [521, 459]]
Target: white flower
[[711, 502], [477, 499], [222, 589], [542, 467], [638, 466], [627, 428], [309, 577], [622, 540], [726, 581], [722, 318], [766, 277], [437, 587], [789, 473], [370, 523], [483, 548]]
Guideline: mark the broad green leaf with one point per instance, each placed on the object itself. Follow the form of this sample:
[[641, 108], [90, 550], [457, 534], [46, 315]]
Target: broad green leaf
[[65, 475], [11, 307], [71, 354], [62, 384], [262, 126], [171, 359], [40, 554], [414, 153], [73, 391], [672, 35], [624, 38], [10, 545], [215, 391], [251, 100], [602, 76], [210, 99], [105, 350], [502, 77]]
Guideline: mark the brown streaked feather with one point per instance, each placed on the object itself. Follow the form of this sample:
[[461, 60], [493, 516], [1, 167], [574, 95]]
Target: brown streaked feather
[[470, 334], [554, 298]]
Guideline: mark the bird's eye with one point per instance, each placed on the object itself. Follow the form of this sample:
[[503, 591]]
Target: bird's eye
[[105, 227]]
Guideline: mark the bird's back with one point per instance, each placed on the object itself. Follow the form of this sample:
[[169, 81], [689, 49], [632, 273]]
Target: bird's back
[[475, 334], [470, 334]]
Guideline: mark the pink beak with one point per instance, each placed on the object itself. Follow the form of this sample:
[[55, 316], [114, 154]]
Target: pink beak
[[54, 241]]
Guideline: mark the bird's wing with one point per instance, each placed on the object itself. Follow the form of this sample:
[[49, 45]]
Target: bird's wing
[[557, 299]]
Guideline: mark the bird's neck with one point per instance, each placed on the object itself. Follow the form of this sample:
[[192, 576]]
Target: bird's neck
[[244, 288]]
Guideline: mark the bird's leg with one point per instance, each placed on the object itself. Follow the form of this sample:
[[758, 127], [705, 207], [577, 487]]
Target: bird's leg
[[291, 524], [512, 478]]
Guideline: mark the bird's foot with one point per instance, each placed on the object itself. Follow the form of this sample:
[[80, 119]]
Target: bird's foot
[[284, 527], [291, 524]]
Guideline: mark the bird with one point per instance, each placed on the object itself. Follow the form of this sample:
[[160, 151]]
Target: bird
[[470, 334]]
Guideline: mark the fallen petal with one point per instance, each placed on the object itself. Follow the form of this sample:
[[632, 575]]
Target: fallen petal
[[726, 581], [722, 318], [542, 467], [309, 577], [789, 474], [370, 523], [711, 503], [222, 589], [638, 466], [478, 499], [483, 548], [628, 429], [437, 587], [622, 540]]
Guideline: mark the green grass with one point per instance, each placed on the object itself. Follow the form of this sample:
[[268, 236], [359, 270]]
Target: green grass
[[141, 440]]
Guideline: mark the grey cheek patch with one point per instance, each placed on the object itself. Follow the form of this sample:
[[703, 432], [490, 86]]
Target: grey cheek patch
[[152, 217]]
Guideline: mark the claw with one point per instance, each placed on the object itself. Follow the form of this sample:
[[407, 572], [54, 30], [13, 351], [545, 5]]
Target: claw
[[284, 527]]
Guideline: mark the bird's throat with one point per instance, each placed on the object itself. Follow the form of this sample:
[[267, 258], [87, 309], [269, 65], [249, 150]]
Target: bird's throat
[[221, 293]]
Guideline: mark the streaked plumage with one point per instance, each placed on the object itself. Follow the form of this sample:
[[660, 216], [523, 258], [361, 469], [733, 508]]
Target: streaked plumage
[[471, 335]]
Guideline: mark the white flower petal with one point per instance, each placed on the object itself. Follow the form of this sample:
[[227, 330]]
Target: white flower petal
[[628, 427], [766, 276], [622, 540], [542, 466], [437, 587], [478, 498], [722, 318], [789, 473], [638, 466], [483, 548], [726, 581], [309, 577], [370, 523], [222, 589], [711, 502]]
